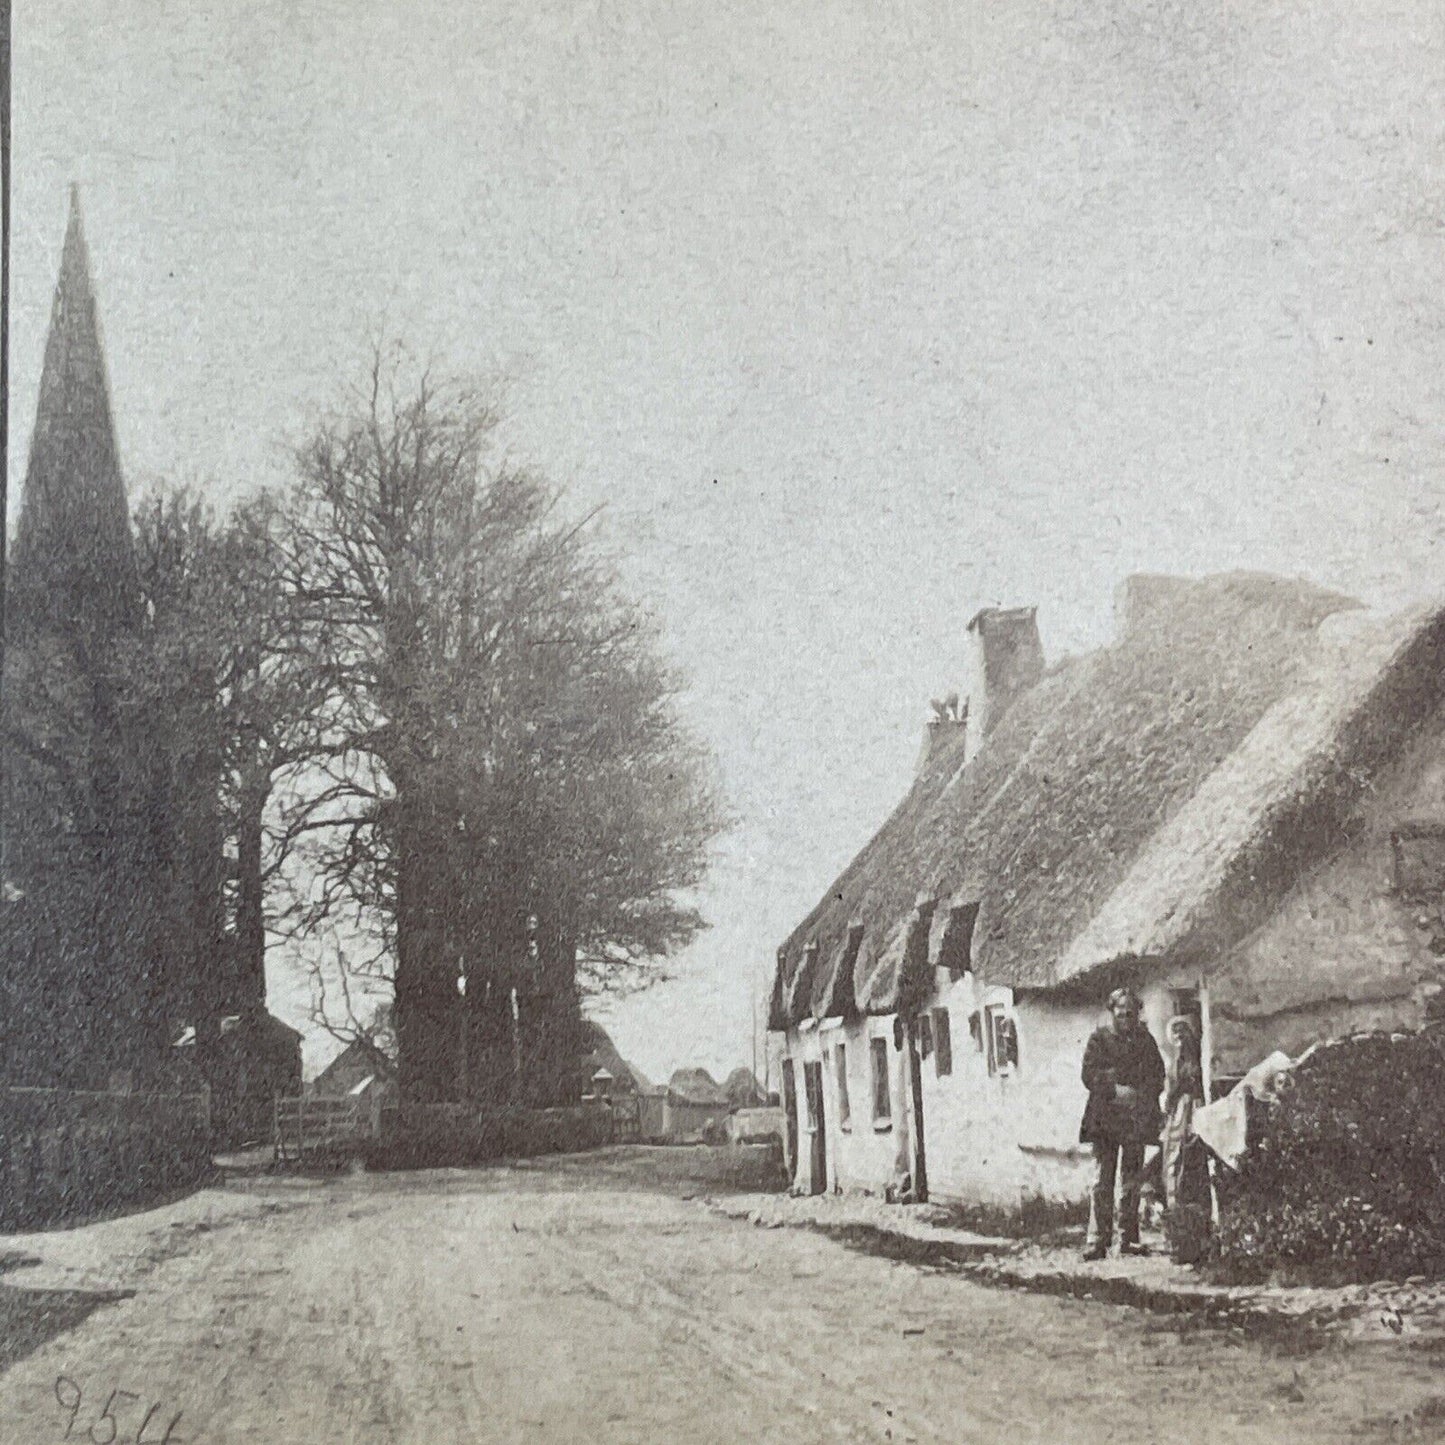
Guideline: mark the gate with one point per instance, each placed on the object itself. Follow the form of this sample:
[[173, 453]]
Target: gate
[[324, 1125], [626, 1118]]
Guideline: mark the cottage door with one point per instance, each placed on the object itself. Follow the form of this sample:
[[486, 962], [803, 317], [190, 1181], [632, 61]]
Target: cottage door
[[818, 1141], [790, 1115], [915, 1096]]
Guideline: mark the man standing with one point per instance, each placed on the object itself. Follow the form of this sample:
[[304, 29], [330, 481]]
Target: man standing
[[1124, 1074]]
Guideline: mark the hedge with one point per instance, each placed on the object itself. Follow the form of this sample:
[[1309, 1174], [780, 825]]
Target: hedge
[[435, 1135], [66, 1155], [1345, 1177]]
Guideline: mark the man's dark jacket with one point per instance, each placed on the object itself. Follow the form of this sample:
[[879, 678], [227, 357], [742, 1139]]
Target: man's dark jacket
[[1130, 1058]]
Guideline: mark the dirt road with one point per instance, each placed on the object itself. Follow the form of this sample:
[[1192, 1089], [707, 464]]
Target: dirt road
[[588, 1300]]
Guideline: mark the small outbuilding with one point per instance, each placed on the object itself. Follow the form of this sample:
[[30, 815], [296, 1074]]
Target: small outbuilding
[[252, 1060], [361, 1068]]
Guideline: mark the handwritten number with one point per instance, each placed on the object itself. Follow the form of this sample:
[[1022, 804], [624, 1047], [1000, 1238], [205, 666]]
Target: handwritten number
[[106, 1418], [169, 1438], [68, 1397]]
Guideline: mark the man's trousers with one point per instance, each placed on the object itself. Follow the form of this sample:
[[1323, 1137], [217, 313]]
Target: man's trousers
[[1124, 1163]]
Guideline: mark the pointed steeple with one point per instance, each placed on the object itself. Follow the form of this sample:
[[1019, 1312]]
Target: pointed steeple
[[74, 564]]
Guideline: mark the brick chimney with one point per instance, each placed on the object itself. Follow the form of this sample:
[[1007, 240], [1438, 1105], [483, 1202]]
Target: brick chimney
[[1010, 659], [949, 722]]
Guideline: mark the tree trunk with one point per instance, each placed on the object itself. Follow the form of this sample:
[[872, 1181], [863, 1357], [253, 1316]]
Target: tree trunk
[[550, 1023], [248, 982], [491, 1029], [427, 1005], [496, 969]]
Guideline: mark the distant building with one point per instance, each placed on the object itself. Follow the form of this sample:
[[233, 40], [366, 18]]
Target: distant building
[[743, 1090], [255, 1060], [360, 1067], [1238, 807], [696, 1108]]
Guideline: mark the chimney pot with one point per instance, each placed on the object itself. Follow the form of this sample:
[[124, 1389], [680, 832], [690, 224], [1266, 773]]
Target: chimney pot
[[949, 721]]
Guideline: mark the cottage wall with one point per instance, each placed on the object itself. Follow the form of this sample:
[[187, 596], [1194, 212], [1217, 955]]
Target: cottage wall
[[991, 1138], [1000, 1138], [800, 1048], [865, 1154], [869, 1154], [1006, 1138], [1344, 951]]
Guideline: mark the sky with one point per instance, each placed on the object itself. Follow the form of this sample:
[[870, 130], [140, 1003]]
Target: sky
[[854, 318]]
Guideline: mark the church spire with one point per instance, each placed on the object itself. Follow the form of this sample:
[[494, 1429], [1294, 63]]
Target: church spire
[[74, 564]]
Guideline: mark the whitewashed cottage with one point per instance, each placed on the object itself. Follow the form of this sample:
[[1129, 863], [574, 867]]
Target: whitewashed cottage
[[1238, 807]]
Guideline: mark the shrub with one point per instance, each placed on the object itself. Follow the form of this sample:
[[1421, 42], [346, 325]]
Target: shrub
[[1345, 1178]]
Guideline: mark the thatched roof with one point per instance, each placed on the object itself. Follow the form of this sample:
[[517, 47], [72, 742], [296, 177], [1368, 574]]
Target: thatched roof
[[696, 1086], [1145, 801], [743, 1090], [602, 1053]]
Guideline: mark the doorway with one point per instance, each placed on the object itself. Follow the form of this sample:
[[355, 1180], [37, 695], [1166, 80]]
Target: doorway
[[915, 1091], [818, 1137], [1193, 1003], [790, 1115]]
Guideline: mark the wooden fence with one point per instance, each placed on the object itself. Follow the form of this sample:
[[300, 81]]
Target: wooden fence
[[65, 1154], [313, 1126]]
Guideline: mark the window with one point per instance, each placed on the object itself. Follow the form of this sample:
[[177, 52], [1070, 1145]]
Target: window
[[925, 1036], [882, 1104], [840, 1065], [1185, 1002], [1002, 1040], [942, 1043], [957, 939]]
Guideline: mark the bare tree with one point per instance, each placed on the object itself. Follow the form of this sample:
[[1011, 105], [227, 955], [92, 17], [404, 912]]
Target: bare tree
[[236, 714], [504, 779]]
